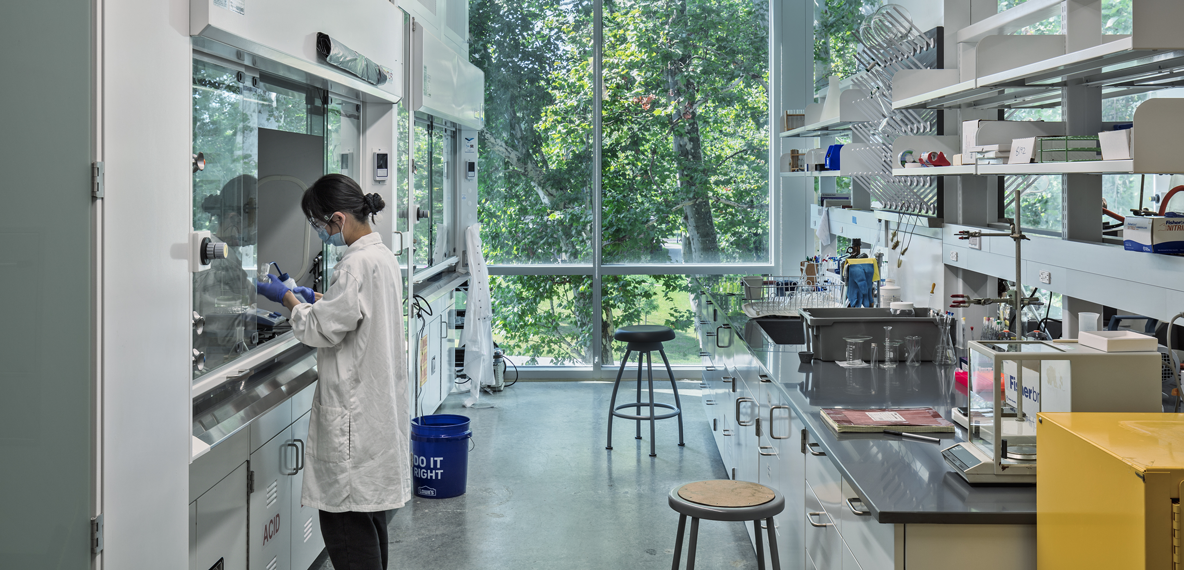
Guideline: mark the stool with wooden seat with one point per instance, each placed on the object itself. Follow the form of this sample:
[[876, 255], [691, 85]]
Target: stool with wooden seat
[[723, 500], [644, 340]]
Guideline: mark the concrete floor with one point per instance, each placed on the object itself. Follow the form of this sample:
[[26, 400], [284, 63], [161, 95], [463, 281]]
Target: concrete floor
[[543, 492]]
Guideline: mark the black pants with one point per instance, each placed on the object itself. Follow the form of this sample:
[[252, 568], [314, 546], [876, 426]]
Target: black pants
[[355, 541]]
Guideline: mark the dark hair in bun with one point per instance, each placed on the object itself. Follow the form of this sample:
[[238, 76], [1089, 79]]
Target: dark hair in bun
[[339, 193]]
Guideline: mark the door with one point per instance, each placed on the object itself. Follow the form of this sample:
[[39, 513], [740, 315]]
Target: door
[[220, 524], [272, 468], [47, 413], [305, 530], [784, 432]]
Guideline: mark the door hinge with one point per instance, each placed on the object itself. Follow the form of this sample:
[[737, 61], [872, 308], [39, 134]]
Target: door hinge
[[96, 534], [97, 189], [250, 482]]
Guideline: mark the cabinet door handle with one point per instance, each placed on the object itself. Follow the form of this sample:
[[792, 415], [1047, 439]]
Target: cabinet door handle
[[726, 379], [300, 455], [767, 451], [727, 432], [772, 431], [810, 447], [284, 459], [765, 378], [857, 512], [739, 401], [810, 519], [717, 336]]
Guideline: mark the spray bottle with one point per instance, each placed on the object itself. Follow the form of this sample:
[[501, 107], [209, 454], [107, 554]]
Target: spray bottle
[[286, 280]]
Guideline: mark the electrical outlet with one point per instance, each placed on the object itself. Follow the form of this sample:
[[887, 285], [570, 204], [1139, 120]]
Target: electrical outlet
[[954, 256], [976, 243], [1046, 277]]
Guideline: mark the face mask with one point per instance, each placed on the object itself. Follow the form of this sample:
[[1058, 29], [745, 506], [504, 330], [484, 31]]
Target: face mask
[[337, 239]]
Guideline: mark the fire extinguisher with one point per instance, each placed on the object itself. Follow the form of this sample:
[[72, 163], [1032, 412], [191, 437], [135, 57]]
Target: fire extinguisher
[[499, 370]]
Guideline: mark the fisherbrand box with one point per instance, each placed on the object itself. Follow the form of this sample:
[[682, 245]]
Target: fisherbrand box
[[1154, 234]]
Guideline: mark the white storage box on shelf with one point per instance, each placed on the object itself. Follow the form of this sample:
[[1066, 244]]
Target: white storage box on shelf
[[1117, 145], [1118, 341]]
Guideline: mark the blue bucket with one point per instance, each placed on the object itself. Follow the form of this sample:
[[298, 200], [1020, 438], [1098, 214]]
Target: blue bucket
[[440, 455]]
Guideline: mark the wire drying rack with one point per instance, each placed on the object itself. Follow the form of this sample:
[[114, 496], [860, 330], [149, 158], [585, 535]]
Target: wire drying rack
[[784, 296]]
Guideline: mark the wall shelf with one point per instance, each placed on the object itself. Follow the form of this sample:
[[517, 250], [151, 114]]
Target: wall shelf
[[1039, 168], [1008, 21], [1038, 66], [832, 117], [935, 171], [823, 129], [1142, 283], [812, 174]]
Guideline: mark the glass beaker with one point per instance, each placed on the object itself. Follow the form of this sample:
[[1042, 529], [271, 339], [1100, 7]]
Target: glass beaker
[[855, 350], [891, 353], [943, 354], [912, 345]]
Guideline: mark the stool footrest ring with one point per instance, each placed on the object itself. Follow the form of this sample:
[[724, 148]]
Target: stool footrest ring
[[646, 405]]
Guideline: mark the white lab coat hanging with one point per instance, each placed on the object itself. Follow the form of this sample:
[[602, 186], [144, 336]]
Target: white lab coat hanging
[[358, 452], [478, 332]]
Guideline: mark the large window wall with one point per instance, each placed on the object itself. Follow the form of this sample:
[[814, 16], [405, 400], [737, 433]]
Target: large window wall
[[626, 146]]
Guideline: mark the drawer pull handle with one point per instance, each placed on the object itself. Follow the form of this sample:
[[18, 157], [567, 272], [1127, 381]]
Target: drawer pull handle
[[810, 446], [767, 451], [718, 336], [710, 402], [739, 401], [851, 505], [772, 431], [726, 379], [710, 368], [726, 432], [810, 519], [765, 378], [703, 385]]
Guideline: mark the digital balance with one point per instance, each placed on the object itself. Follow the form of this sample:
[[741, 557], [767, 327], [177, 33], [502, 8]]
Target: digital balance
[[1002, 402]]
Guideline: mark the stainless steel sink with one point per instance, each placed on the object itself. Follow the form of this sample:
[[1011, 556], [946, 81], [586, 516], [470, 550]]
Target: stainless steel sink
[[783, 330]]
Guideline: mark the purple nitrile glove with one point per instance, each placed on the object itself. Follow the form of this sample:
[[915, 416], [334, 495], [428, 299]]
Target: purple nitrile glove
[[273, 289]]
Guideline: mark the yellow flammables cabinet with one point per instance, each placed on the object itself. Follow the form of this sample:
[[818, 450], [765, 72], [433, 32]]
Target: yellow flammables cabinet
[[1108, 490]]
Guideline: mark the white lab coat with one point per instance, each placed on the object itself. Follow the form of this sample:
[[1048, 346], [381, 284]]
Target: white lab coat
[[358, 452], [478, 333]]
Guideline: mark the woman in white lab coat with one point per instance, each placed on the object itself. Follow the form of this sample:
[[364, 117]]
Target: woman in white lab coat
[[358, 452]]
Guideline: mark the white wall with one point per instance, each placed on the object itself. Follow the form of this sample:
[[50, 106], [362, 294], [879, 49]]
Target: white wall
[[146, 74]]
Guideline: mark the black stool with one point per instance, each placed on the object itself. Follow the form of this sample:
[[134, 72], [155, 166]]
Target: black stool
[[644, 339], [724, 500]]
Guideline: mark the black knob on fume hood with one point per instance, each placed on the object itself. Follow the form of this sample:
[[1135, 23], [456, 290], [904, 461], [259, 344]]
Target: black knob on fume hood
[[211, 250]]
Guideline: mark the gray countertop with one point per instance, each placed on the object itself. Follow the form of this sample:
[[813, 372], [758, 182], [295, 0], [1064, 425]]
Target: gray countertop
[[901, 481]]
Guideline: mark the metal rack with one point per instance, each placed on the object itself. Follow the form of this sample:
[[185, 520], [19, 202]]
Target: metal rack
[[784, 296]]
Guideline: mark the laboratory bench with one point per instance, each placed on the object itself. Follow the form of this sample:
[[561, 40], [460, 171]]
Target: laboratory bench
[[853, 501]]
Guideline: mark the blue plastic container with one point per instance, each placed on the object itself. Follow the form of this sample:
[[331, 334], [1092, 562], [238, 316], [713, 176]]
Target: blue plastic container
[[440, 455]]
